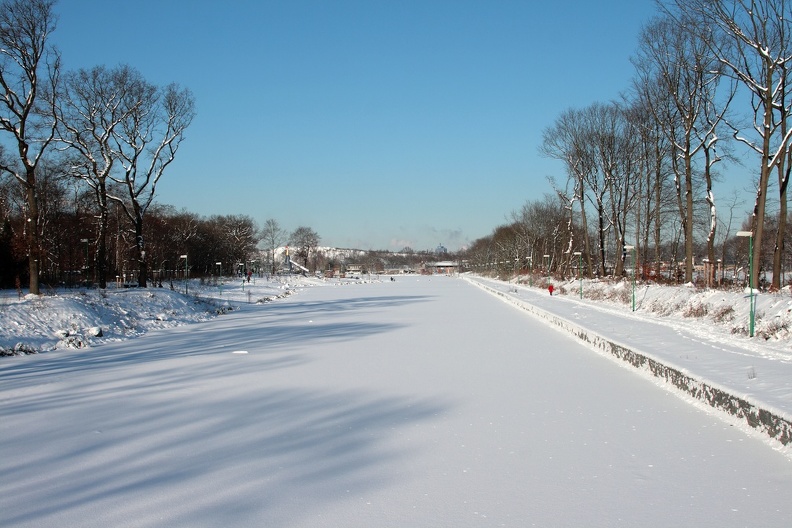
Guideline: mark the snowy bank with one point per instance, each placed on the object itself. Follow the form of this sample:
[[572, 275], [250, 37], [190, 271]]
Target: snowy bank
[[648, 347]]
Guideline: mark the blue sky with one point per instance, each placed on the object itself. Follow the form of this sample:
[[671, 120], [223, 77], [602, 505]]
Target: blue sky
[[378, 124]]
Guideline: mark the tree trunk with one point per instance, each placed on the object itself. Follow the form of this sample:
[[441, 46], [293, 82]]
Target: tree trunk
[[141, 252], [101, 245], [584, 228], [688, 220], [33, 235], [713, 220], [658, 191], [601, 225], [778, 253]]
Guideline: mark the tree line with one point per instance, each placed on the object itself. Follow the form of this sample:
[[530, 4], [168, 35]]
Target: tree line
[[82, 152], [710, 94], [105, 130]]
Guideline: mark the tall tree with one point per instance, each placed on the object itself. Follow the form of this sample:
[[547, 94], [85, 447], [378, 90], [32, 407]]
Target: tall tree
[[304, 240], [566, 141], [677, 56], [94, 103], [29, 73], [751, 39], [238, 236], [146, 142], [272, 236]]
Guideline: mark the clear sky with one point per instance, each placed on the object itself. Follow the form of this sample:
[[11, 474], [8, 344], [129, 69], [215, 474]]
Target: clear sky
[[379, 124]]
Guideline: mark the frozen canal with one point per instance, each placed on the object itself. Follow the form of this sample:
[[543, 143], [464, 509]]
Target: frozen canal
[[419, 402]]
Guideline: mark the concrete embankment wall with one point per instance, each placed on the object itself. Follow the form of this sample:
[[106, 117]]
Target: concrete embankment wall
[[764, 420]]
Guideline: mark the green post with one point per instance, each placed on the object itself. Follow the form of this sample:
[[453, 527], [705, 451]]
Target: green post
[[530, 270], [580, 271], [635, 269], [635, 272], [751, 285]]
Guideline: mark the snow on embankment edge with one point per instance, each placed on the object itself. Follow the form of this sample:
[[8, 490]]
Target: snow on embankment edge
[[758, 417]]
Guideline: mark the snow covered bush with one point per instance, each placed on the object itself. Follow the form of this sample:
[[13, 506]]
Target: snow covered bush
[[723, 314], [696, 308], [20, 349], [664, 308], [776, 327]]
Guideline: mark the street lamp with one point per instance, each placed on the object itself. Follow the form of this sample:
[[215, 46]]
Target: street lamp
[[632, 248], [186, 274], [530, 271], [751, 319], [580, 270], [85, 241]]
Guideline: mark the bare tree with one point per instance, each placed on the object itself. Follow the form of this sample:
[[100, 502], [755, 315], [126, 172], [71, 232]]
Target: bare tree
[[566, 141], [617, 156], [93, 105], [599, 126], [237, 238], [145, 144], [304, 240], [547, 222], [677, 57], [652, 187], [751, 39], [272, 235], [29, 71]]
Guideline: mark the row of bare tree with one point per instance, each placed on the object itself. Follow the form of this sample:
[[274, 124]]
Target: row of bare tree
[[108, 128], [210, 246], [710, 90]]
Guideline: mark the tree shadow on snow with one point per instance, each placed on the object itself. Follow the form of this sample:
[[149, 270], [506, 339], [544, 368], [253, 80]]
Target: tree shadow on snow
[[225, 458], [275, 338]]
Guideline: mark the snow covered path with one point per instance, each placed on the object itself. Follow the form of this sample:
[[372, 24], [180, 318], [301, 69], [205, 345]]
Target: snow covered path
[[748, 368], [420, 402]]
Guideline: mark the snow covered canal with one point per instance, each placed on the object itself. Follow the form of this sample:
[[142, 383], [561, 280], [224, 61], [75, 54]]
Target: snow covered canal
[[419, 402]]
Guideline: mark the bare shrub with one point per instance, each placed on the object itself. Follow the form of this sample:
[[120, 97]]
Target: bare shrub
[[723, 314], [625, 296], [664, 308], [776, 327], [696, 309], [595, 294]]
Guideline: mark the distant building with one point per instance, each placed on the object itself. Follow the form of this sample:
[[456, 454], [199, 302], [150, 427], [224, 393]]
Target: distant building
[[354, 269], [441, 250], [446, 267]]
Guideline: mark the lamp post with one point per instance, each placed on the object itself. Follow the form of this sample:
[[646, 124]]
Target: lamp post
[[530, 271], [186, 274], [751, 318], [580, 270], [632, 248], [85, 241]]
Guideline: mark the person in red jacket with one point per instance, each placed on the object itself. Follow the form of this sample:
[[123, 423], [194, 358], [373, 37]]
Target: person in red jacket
[[550, 289]]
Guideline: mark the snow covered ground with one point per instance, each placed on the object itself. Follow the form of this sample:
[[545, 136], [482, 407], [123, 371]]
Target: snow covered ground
[[419, 402], [709, 357]]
